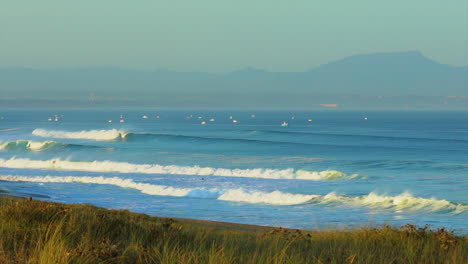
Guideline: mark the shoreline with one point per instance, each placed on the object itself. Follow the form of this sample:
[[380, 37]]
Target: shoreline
[[190, 221], [49, 232], [233, 225]]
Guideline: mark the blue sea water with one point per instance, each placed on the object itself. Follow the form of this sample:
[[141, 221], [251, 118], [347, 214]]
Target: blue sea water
[[338, 169]]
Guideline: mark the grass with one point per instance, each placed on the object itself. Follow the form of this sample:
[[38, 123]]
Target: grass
[[44, 232]]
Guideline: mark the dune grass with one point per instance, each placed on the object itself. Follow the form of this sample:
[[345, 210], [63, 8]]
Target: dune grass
[[44, 232]]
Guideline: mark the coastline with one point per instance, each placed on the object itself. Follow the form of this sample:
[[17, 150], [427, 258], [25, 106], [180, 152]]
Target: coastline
[[33, 230]]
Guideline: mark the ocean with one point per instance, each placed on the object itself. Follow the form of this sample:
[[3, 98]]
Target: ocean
[[325, 169]]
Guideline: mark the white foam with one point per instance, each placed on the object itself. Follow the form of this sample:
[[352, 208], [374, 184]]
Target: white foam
[[124, 167], [98, 135], [399, 203], [275, 197], [27, 144], [146, 188]]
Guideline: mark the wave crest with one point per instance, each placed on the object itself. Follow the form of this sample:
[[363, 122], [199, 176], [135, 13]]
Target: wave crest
[[98, 135], [28, 145], [124, 167]]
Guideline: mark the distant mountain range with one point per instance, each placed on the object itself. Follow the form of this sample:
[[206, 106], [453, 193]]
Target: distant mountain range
[[383, 80]]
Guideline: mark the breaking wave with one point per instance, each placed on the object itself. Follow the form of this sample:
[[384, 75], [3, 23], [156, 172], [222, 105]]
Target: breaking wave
[[37, 145], [98, 135], [124, 183], [125, 167], [399, 203], [114, 134], [27, 145]]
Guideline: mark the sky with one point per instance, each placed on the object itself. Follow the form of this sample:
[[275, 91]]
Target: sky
[[223, 36]]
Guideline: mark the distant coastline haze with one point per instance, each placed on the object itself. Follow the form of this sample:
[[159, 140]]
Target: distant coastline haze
[[403, 80]]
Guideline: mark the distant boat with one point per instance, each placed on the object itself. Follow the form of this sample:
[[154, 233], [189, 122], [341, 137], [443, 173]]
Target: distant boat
[[231, 117], [212, 119], [235, 121], [109, 121], [203, 123], [144, 117], [122, 120], [252, 116], [157, 117], [284, 124], [365, 118], [49, 119], [309, 120]]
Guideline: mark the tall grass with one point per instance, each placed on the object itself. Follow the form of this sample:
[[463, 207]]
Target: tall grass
[[44, 232]]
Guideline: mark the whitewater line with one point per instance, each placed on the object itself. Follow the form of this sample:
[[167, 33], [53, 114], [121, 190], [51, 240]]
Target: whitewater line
[[399, 203], [125, 167], [98, 135]]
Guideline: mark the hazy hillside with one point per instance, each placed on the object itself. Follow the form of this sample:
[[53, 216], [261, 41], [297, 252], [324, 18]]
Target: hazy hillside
[[375, 80]]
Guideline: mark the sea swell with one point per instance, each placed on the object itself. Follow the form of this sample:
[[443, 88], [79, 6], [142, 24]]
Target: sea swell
[[114, 134], [121, 135], [358, 136]]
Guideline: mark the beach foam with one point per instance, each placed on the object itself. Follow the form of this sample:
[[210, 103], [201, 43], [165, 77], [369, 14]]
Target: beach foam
[[124, 167]]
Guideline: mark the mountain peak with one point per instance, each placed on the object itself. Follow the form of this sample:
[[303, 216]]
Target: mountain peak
[[389, 61]]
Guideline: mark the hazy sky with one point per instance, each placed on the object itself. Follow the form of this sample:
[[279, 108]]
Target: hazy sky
[[219, 36]]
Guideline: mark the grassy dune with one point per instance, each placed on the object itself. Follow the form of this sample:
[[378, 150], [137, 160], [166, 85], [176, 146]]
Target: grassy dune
[[45, 232]]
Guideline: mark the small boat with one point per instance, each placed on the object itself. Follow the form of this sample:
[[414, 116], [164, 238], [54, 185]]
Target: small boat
[[231, 117], [157, 117], [203, 122], [49, 119], [212, 119], [144, 117], [365, 118], [109, 121], [235, 121], [284, 124], [122, 120], [252, 115], [309, 120]]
